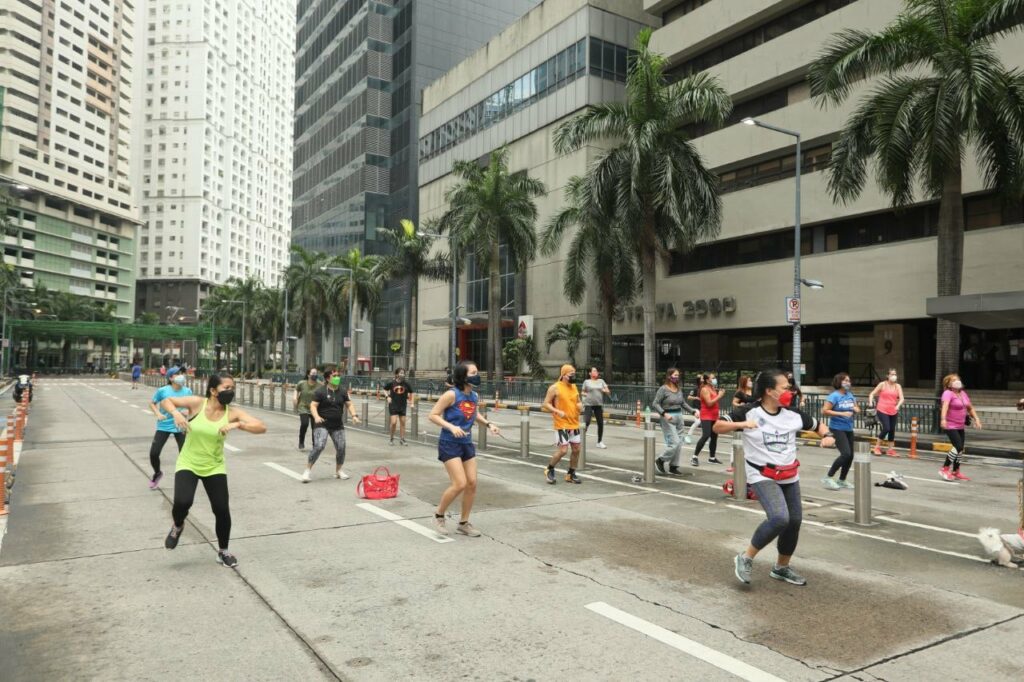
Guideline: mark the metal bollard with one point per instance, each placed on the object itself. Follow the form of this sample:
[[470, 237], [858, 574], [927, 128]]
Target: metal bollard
[[649, 452], [582, 461], [739, 475], [482, 437], [414, 420], [272, 400], [862, 481], [365, 417], [524, 432], [284, 397], [262, 395]]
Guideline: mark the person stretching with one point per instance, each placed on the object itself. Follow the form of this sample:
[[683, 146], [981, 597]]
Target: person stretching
[[328, 422], [399, 391], [165, 427], [840, 408]]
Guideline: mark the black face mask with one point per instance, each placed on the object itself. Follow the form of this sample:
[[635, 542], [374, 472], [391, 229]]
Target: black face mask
[[225, 397], [473, 380]]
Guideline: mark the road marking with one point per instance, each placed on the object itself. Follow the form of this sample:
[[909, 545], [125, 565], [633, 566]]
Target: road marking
[[405, 523], [731, 665], [286, 472], [915, 545], [927, 527], [885, 475], [231, 448]]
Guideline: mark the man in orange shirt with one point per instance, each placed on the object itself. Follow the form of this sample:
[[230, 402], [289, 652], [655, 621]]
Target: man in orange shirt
[[563, 402]]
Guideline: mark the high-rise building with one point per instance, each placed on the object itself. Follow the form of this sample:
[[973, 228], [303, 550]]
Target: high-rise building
[[360, 67], [66, 87], [213, 146]]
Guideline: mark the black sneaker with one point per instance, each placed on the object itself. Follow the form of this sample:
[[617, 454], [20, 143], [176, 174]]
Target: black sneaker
[[714, 460], [573, 478], [549, 473], [694, 462], [675, 470], [661, 465], [226, 558], [171, 541]]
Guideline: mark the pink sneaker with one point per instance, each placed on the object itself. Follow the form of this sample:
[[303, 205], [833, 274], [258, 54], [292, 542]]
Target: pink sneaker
[[946, 475], [892, 452], [155, 481], [959, 476]]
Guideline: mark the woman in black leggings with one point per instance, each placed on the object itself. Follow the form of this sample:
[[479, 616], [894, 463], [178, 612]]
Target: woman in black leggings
[[709, 395], [840, 408]]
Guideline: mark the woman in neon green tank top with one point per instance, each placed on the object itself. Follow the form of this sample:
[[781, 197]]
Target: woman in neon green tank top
[[202, 456]]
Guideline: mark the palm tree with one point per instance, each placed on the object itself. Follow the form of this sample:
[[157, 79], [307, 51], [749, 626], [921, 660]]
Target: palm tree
[[308, 287], [489, 209], [223, 298], [267, 318], [944, 92], [411, 259], [665, 196], [573, 333], [600, 253], [366, 274]]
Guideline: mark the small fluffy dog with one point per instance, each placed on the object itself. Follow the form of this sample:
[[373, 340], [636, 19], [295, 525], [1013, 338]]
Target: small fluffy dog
[[1005, 549]]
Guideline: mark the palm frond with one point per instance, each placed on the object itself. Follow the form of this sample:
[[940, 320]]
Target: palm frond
[[997, 18]]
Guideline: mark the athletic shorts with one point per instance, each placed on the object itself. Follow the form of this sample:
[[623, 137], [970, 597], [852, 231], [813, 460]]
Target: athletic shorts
[[395, 412], [567, 436], [450, 449]]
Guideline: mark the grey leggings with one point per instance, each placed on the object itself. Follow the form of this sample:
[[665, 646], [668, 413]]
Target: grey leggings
[[320, 442], [785, 513]]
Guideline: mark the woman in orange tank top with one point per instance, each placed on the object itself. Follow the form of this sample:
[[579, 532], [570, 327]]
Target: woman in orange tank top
[[890, 399], [563, 402]]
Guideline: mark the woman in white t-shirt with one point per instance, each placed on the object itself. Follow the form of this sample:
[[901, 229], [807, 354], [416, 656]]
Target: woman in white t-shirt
[[769, 447], [594, 391]]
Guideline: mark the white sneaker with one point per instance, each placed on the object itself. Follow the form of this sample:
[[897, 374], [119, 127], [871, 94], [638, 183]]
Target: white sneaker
[[341, 474], [305, 476], [602, 445]]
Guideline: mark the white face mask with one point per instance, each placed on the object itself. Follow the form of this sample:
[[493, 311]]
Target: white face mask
[[957, 385], [714, 382], [846, 385], [892, 378]]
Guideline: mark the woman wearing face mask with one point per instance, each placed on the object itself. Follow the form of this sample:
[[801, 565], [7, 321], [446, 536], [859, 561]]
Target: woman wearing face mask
[[744, 391], [327, 407], [890, 399], [594, 391], [202, 457], [956, 406], [670, 403], [840, 408], [563, 402], [455, 411], [304, 391], [769, 447], [709, 395], [165, 427], [399, 392]]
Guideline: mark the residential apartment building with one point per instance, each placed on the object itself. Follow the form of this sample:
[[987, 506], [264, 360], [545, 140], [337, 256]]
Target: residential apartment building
[[66, 85], [212, 163], [360, 68], [557, 59]]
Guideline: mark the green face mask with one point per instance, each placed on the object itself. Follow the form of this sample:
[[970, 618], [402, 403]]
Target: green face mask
[[335, 381]]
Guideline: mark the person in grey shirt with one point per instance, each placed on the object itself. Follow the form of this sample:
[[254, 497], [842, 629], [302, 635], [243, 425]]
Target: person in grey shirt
[[670, 402], [594, 391]]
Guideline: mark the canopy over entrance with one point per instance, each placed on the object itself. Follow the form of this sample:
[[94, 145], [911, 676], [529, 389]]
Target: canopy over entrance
[[1001, 310]]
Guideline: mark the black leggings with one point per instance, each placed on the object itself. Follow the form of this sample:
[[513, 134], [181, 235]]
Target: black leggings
[[598, 413], [707, 433], [959, 439], [159, 439], [216, 486], [887, 430], [304, 421], [842, 464]]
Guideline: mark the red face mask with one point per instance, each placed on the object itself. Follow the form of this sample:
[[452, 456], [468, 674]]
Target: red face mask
[[786, 399]]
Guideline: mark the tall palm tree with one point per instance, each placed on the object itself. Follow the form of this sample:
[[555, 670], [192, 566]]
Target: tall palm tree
[[268, 319], [573, 333], [665, 195], [308, 287], [365, 276], [248, 290], [600, 253], [411, 259], [944, 92], [488, 209]]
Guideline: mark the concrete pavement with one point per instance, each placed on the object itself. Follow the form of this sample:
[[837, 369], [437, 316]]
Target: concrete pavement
[[325, 589]]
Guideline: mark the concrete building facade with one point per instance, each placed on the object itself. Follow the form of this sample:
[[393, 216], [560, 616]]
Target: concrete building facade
[[212, 154], [66, 86]]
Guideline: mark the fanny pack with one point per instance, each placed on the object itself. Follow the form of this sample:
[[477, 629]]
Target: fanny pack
[[781, 472]]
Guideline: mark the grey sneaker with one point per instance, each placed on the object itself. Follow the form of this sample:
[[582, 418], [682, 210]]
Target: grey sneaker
[[789, 575], [467, 529], [830, 483], [744, 566], [846, 484], [440, 526]]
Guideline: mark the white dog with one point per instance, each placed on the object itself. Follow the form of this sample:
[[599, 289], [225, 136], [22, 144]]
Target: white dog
[[1003, 549]]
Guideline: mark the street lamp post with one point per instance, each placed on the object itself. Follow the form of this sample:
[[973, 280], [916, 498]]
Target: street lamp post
[[351, 308], [284, 339], [454, 295]]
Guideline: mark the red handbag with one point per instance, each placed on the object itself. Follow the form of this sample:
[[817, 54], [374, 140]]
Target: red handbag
[[380, 485]]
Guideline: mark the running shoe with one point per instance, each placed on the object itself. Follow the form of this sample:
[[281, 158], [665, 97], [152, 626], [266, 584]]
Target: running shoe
[[892, 452], [688, 440], [789, 575], [549, 473], [843, 483], [714, 460], [830, 483], [877, 450], [694, 462], [467, 529], [439, 525], [573, 478], [341, 475], [729, 469], [391, 441], [946, 474], [959, 476], [660, 464], [675, 470], [305, 476], [601, 445], [226, 558], [404, 443], [744, 567], [301, 447], [155, 481], [171, 541]]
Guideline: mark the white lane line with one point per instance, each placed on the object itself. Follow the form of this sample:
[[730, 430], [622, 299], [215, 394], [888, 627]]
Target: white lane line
[[231, 448], [283, 470], [731, 665], [848, 531], [404, 523], [915, 478], [927, 527]]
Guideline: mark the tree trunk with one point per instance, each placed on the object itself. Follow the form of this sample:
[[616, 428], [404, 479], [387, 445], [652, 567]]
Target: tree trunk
[[410, 351], [308, 314], [494, 314], [609, 319], [650, 342], [949, 273]]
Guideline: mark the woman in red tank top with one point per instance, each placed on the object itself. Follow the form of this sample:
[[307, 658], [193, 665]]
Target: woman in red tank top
[[709, 395]]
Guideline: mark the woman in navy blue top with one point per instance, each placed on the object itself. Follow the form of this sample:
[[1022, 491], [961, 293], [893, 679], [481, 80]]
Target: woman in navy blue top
[[455, 413]]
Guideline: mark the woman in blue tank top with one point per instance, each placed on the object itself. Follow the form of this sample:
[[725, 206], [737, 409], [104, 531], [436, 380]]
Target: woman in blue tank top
[[455, 413]]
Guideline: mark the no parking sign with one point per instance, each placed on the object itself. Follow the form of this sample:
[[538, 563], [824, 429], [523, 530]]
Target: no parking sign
[[792, 309]]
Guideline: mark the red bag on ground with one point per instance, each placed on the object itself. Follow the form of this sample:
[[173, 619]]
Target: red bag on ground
[[380, 485], [729, 486]]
